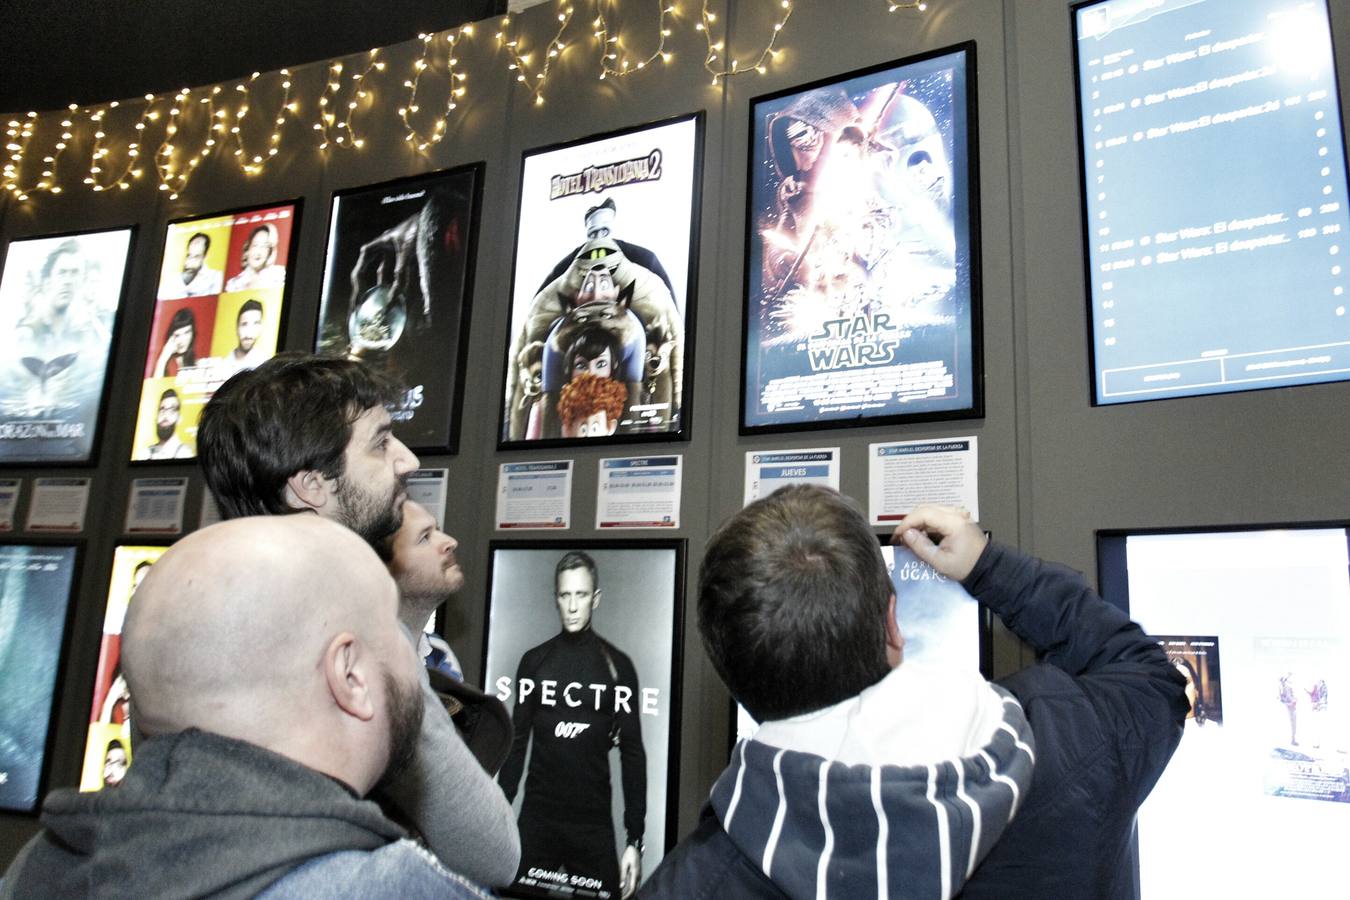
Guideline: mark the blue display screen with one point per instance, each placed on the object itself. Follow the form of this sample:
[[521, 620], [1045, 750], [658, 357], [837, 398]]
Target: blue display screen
[[1215, 196]]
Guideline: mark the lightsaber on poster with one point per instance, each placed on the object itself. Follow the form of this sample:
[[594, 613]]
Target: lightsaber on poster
[[107, 750], [219, 308], [59, 297], [602, 287], [396, 292], [35, 594], [862, 272], [583, 644]]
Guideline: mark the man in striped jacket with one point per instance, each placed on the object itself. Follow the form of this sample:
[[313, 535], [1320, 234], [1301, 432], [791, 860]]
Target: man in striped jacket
[[869, 778]]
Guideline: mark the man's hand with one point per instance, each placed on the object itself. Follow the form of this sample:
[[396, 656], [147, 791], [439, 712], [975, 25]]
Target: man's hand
[[630, 871], [960, 540]]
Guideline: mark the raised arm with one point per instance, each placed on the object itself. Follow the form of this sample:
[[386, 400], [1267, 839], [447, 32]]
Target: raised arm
[[1123, 671]]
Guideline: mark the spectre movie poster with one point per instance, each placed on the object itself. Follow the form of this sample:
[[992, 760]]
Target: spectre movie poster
[[862, 270], [582, 645], [35, 588], [59, 297], [396, 292], [107, 751], [219, 309], [602, 286]]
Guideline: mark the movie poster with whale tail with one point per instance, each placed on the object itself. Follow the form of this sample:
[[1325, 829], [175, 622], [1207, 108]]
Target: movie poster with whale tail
[[862, 279], [59, 297], [602, 288]]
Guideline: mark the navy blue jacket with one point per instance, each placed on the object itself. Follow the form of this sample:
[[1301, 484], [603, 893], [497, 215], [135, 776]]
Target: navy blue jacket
[[1106, 709]]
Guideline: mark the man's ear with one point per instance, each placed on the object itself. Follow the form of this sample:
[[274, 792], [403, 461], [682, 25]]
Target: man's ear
[[895, 641], [595, 599], [347, 672], [307, 489]]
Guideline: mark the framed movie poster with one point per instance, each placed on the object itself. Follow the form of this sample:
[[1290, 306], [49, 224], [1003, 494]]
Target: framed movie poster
[[396, 291], [36, 583], [219, 308], [862, 272], [583, 644], [59, 297], [107, 747], [602, 288]]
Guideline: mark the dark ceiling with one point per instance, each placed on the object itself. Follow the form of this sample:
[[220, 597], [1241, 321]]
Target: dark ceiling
[[56, 52]]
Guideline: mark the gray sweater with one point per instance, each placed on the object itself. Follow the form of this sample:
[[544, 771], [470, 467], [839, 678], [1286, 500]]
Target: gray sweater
[[453, 804]]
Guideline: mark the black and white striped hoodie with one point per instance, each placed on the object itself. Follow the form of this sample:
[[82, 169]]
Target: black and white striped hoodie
[[897, 792]]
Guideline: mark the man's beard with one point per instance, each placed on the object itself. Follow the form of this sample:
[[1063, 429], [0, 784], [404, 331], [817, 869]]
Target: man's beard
[[405, 724], [373, 518], [164, 432]]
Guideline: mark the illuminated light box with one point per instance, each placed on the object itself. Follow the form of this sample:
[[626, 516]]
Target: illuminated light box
[[1214, 196], [862, 269], [1258, 622]]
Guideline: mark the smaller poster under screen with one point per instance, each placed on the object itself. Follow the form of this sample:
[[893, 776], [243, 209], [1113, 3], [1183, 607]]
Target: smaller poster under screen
[[1215, 200], [1258, 623]]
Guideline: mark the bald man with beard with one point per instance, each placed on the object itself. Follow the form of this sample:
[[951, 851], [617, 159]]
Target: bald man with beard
[[263, 725]]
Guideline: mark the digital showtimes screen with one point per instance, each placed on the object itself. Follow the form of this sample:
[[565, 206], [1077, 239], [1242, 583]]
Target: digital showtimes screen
[[862, 259], [1256, 800], [1215, 196]]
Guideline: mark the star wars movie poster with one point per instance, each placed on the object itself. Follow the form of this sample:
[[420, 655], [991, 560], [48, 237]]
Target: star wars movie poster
[[582, 645], [35, 589], [58, 306], [219, 309], [396, 292], [107, 748], [862, 287], [602, 287]]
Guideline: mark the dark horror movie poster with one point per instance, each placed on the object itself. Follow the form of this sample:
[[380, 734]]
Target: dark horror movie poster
[[583, 645], [35, 589], [59, 297], [396, 292], [602, 287], [219, 309], [862, 284]]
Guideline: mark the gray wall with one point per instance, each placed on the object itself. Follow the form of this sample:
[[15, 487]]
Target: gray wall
[[1052, 468]]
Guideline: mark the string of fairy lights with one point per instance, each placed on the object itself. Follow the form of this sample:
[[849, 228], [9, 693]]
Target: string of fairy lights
[[116, 163]]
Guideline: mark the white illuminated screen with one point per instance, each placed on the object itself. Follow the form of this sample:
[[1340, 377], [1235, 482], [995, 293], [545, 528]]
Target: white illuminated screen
[[1256, 801], [1213, 166]]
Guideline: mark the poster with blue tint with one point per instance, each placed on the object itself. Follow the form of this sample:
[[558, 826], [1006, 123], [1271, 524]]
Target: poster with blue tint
[[35, 588], [1214, 193], [938, 619], [862, 269], [59, 297]]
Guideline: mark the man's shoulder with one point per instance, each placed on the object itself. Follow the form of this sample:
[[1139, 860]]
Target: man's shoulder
[[398, 871], [619, 657], [707, 865]]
